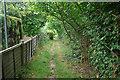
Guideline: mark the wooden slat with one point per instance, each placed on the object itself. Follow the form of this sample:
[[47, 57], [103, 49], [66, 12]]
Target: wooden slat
[[31, 47], [27, 41], [9, 71], [6, 63], [33, 44], [18, 66], [0, 66], [24, 54], [34, 37], [18, 53], [17, 58], [8, 58], [11, 48], [14, 63], [10, 74], [28, 52]]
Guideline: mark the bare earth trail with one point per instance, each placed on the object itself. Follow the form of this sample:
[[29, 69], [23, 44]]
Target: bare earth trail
[[50, 61], [52, 64], [58, 64]]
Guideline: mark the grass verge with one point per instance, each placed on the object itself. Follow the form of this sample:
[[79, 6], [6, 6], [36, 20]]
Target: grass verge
[[38, 67]]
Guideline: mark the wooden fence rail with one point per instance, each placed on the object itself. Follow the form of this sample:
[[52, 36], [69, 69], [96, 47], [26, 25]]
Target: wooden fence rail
[[13, 58]]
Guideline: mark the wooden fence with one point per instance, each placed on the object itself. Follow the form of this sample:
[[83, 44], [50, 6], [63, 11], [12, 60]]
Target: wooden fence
[[14, 57]]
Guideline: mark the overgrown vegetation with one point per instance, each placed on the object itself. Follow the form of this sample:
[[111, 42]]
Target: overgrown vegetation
[[39, 66], [14, 22], [91, 30], [32, 23], [14, 30]]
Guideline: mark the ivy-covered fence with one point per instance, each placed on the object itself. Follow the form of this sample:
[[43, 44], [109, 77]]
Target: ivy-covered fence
[[0, 31], [14, 30]]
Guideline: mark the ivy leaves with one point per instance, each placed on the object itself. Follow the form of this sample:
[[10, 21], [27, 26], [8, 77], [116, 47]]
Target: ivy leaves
[[92, 30]]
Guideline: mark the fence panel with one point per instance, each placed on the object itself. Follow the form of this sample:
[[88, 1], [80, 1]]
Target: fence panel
[[8, 67], [0, 65], [24, 54], [17, 53], [30, 49], [14, 57], [27, 44], [33, 44]]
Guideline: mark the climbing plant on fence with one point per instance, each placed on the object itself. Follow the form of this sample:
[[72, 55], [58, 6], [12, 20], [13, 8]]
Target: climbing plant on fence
[[20, 20], [14, 30], [93, 29], [14, 22]]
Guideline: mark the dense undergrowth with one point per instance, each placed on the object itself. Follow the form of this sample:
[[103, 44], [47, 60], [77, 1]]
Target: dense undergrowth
[[93, 33], [92, 30]]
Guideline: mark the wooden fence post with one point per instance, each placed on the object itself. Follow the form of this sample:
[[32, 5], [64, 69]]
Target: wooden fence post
[[31, 47], [29, 51], [26, 54], [22, 53], [0, 66], [37, 40]]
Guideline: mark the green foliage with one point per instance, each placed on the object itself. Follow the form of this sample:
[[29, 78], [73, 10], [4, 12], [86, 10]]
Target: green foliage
[[14, 30], [93, 32], [90, 29], [50, 34], [54, 23], [32, 24]]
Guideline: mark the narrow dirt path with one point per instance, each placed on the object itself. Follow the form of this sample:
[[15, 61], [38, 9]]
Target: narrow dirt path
[[52, 64], [63, 68]]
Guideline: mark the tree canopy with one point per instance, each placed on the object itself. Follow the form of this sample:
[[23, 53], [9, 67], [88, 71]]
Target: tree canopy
[[92, 30]]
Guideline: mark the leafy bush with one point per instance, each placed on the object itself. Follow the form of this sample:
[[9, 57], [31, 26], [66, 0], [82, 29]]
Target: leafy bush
[[93, 31]]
